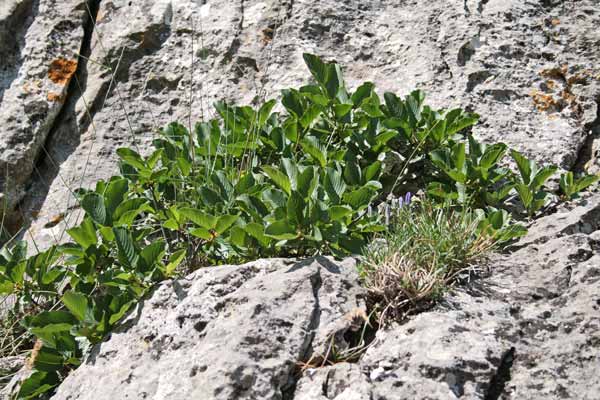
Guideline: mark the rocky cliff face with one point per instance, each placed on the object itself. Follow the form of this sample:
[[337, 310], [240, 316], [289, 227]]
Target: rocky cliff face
[[80, 78]]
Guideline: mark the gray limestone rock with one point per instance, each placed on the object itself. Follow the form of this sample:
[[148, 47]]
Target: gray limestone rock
[[229, 332], [40, 42], [81, 78], [530, 69]]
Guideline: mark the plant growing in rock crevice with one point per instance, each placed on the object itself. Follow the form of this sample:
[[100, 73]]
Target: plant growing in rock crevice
[[425, 250], [257, 183]]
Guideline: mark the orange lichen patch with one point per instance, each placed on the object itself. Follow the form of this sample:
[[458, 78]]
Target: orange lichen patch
[[61, 70], [543, 101], [567, 96], [55, 220], [557, 89], [54, 97]]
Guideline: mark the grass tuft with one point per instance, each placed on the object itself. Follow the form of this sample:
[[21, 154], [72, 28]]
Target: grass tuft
[[426, 249]]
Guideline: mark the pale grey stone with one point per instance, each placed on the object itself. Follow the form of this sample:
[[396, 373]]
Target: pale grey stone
[[229, 332]]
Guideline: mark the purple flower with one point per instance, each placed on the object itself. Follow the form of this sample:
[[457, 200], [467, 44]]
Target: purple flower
[[407, 198]]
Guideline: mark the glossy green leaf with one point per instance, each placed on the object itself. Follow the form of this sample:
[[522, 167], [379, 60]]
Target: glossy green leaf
[[312, 146], [93, 205], [126, 245], [199, 217], [281, 230], [84, 234], [174, 261], [225, 222]]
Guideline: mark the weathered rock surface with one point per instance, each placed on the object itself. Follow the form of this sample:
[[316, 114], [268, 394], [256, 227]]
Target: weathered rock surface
[[39, 46], [223, 333], [531, 330], [80, 78], [8, 367], [529, 68]]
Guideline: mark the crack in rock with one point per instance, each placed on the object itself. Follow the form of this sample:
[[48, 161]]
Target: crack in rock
[[502, 375], [316, 281]]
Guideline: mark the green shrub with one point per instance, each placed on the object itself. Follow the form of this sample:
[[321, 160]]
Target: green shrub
[[254, 182]]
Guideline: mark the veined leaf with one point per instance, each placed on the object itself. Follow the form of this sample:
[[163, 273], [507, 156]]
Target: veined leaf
[[316, 66], [295, 208], [278, 177], [305, 181], [199, 217], [524, 165], [174, 261], [84, 234], [114, 195], [93, 205], [362, 92], [312, 146], [225, 222], [153, 253], [202, 233], [76, 303], [127, 251], [359, 199], [281, 230], [492, 155], [265, 112], [372, 171], [257, 231], [334, 185], [541, 176], [337, 213], [132, 158]]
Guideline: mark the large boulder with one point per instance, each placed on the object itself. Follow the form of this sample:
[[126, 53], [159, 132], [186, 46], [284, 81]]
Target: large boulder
[[530, 69]]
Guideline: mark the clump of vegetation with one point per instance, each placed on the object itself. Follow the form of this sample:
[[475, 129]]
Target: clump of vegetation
[[256, 183], [427, 247]]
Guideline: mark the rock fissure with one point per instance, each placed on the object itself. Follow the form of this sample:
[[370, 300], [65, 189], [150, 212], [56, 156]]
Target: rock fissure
[[481, 5], [502, 376], [589, 152], [73, 74], [288, 392], [77, 83]]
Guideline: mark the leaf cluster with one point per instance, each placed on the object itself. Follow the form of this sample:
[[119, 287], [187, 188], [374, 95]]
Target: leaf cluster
[[295, 179]]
